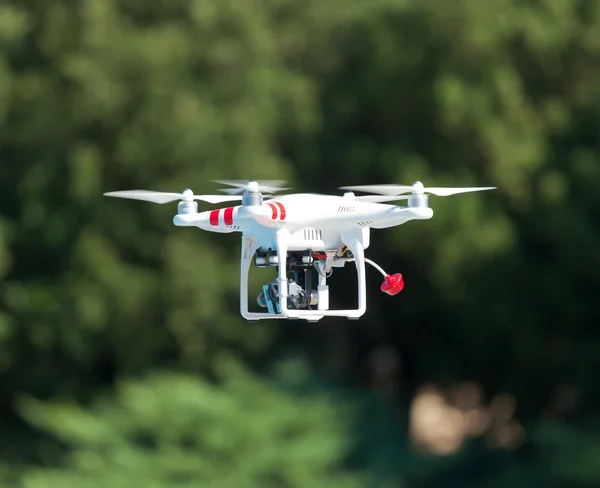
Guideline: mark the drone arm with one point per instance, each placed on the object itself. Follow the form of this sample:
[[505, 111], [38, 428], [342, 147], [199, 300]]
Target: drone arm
[[400, 215]]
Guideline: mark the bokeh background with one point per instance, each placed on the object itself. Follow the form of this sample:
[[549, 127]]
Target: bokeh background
[[123, 358]]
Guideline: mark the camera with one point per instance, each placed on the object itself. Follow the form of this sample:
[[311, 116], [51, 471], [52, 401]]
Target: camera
[[300, 292]]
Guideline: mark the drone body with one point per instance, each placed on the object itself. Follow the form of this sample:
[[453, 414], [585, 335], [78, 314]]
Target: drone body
[[299, 234], [314, 222]]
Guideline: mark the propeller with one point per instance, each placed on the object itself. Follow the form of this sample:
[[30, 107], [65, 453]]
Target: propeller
[[166, 197], [393, 192], [254, 186], [381, 198]]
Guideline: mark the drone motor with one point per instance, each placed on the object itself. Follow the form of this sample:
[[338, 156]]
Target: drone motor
[[252, 191], [187, 205]]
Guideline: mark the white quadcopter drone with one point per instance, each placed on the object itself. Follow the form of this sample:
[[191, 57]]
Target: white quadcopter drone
[[299, 233]]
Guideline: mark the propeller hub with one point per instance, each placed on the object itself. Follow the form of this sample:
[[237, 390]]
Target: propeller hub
[[253, 186], [187, 195], [418, 188]]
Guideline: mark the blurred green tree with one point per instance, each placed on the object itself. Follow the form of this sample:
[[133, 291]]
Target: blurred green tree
[[115, 95], [118, 94], [461, 93], [173, 430]]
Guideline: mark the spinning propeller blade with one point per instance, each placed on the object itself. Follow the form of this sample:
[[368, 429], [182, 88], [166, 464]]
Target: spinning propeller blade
[[381, 189], [381, 198], [166, 197], [446, 192], [416, 189], [263, 186]]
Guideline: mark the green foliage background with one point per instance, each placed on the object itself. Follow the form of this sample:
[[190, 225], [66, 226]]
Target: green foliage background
[[117, 330]]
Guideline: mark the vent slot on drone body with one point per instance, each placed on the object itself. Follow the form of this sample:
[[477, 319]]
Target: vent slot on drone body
[[312, 235], [346, 208], [365, 224]]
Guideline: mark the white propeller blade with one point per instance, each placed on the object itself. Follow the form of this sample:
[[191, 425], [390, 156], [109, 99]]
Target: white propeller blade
[[381, 189], [416, 189], [244, 183], [381, 198], [444, 192], [263, 186], [166, 197]]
